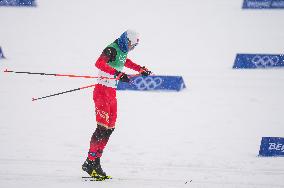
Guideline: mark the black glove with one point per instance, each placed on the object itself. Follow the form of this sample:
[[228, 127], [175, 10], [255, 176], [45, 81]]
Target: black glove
[[144, 71], [122, 76]]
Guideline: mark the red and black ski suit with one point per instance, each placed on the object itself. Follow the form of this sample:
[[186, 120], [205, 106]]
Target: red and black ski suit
[[104, 97]]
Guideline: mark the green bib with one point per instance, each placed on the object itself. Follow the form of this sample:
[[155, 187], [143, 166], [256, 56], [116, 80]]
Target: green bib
[[120, 58]]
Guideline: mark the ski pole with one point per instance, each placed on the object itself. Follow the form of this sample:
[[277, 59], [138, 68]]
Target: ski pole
[[65, 75], [52, 74], [60, 93], [85, 87], [71, 90]]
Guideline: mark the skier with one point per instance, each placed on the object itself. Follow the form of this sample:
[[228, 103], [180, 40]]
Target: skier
[[110, 64]]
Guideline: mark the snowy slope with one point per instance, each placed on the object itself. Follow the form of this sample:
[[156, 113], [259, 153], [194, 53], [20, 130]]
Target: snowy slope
[[209, 133]]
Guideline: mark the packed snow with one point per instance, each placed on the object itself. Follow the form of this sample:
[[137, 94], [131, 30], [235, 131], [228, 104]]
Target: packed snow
[[207, 135]]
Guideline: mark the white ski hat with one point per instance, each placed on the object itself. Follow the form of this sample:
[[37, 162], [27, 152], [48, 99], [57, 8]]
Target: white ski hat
[[132, 36]]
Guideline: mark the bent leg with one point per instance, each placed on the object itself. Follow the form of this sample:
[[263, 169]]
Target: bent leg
[[98, 142]]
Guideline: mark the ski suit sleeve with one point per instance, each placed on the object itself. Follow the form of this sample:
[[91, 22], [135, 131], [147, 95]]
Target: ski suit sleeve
[[102, 63], [130, 64]]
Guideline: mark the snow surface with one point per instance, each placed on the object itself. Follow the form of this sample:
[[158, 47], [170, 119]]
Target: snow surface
[[209, 133]]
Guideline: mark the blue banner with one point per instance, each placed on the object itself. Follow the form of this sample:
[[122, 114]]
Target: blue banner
[[271, 146], [252, 61], [263, 4], [1, 54], [29, 3], [150, 83]]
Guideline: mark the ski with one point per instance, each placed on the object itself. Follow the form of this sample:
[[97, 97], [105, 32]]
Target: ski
[[88, 178]]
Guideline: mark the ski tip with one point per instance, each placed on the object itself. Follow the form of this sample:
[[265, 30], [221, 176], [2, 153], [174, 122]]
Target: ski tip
[[33, 99]]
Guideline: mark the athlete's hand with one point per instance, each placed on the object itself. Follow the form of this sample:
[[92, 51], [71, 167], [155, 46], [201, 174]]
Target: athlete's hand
[[122, 76], [144, 71]]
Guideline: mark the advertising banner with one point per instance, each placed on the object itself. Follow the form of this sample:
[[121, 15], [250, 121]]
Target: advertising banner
[[150, 83], [272, 146], [17, 3], [247, 61], [263, 4]]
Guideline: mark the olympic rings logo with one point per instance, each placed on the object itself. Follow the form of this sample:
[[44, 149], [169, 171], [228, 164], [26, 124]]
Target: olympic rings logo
[[265, 61], [147, 83]]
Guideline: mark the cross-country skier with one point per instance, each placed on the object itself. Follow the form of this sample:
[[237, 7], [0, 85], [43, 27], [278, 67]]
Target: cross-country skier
[[110, 65]]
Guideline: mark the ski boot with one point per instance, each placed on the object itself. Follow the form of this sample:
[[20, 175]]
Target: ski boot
[[94, 169]]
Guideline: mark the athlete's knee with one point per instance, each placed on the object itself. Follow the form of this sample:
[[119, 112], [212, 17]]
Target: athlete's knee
[[103, 132]]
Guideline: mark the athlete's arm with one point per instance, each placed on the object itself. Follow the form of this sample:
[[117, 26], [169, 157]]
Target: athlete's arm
[[130, 64], [109, 54]]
